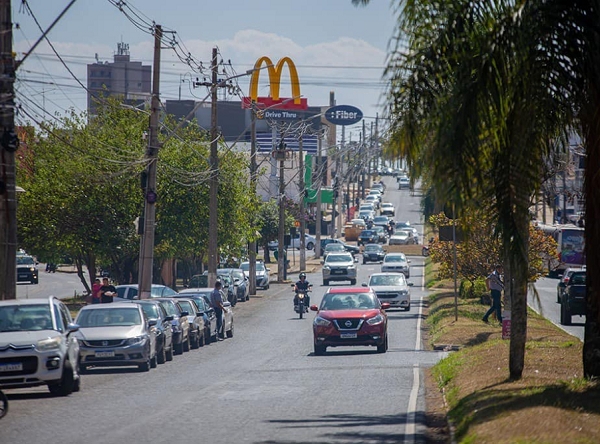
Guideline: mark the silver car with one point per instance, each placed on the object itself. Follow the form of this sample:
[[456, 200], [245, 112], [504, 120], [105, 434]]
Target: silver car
[[396, 262], [339, 267], [391, 288], [116, 334]]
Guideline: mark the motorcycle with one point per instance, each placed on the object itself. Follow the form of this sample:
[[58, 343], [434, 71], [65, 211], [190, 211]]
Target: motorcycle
[[303, 299], [425, 250], [3, 404]]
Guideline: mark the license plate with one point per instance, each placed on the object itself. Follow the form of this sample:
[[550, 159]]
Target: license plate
[[105, 354], [22, 276], [337, 271], [348, 335], [12, 367]]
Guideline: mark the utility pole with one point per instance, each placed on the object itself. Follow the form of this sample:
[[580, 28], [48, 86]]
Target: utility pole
[[318, 166], [213, 220], [147, 240], [253, 168], [281, 271], [8, 146], [302, 199]]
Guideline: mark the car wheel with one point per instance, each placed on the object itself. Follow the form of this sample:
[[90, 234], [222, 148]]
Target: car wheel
[[82, 369], [202, 339], [153, 362], [352, 281], [178, 348], [186, 344], [320, 350], [229, 333], [77, 385], [248, 296], [145, 367], [169, 354], [162, 356], [565, 314], [325, 282], [364, 262], [557, 297], [67, 382], [383, 347], [310, 246], [407, 308], [196, 342], [35, 282]]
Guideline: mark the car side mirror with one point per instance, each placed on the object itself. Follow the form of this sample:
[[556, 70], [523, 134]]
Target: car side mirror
[[268, 269], [385, 305], [185, 313], [356, 260], [322, 262], [409, 261], [293, 285], [314, 308], [410, 284], [152, 322], [364, 284], [169, 318], [72, 328]]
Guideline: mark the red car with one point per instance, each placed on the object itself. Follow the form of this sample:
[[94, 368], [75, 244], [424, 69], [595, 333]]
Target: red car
[[350, 316]]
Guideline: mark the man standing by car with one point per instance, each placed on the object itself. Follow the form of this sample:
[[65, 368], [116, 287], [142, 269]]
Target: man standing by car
[[216, 300], [107, 292]]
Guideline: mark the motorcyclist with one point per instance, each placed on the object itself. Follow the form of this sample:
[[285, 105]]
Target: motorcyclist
[[302, 285]]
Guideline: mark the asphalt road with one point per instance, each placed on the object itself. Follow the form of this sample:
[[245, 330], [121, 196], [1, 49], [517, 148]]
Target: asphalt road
[[264, 385], [61, 285]]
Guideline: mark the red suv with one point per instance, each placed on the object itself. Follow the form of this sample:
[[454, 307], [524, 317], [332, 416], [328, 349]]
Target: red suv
[[350, 316]]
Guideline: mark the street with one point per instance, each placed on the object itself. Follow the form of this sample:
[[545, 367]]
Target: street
[[264, 385]]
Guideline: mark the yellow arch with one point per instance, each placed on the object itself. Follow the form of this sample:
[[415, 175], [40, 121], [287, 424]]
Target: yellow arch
[[275, 78]]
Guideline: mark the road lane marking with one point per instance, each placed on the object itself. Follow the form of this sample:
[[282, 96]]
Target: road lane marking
[[410, 429]]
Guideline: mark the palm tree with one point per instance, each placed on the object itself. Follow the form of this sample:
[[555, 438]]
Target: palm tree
[[481, 88]]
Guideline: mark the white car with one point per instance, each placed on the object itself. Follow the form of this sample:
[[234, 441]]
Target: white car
[[391, 288], [37, 345], [339, 267], [387, 209], [396, 262], [402, 237], [403, 182], [309, 242]]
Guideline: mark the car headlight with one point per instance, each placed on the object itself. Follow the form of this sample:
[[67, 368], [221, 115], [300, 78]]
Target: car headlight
[[403, 292], [321, 322], [326, 267], [32, 269], [49, 343], [375, 320], [136, 340]]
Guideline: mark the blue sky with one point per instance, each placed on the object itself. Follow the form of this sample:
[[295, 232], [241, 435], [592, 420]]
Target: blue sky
[[336, 46]]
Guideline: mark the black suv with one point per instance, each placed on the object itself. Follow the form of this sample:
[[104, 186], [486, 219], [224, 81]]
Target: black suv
[[373, 253], [27, 269], [368, 237], [572, 299]]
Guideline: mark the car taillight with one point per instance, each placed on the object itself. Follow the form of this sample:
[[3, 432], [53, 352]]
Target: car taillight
[[567, 280]]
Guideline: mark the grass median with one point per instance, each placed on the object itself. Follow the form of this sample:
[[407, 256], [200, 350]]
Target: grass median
[[552, 403]]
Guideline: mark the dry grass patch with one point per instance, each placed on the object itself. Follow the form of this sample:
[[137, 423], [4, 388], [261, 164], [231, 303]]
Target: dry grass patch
[[552, 403]]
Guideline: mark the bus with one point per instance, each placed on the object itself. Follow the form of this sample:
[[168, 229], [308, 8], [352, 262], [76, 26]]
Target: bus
[[570, 242]]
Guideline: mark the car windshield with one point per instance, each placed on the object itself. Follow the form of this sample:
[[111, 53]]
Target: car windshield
[[394, 259], [150, 310], [367, 233], [387, 280], [339, 258], [198, 281], [577, 279], [25, 317], [372, 248], [381, 219], [349, 301], [238, 274], [334, 247], [109, 317], [170, 308], [187, 306], [25, 260]]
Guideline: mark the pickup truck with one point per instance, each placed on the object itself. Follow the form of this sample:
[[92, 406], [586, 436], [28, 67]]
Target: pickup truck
[[572, 299]]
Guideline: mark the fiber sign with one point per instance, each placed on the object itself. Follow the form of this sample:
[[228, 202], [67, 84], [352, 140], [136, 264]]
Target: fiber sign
[[343, 115]]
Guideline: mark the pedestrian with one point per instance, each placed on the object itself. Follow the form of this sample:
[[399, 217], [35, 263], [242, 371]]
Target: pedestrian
[[96, 297], [107, 292], [216, 300], [495, 285]]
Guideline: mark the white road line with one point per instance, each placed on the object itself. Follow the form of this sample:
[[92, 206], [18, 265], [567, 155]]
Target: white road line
[[410, 429]]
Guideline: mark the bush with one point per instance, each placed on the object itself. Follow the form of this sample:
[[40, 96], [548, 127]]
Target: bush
[[473, 290]]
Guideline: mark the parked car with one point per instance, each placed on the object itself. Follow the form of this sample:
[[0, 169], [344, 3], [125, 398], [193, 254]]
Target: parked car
[[198, 281], [240, 282], [226, 277], [339, 267], [367, 237], [387, 209], [352, 249], [27, 270], [309, 242], [403, 183], [202, 298], [180, 324], [130, 292], [162, 330], [396, 262], [373, 253], [38, 345], [350, 316], [333, 248], [196, 322], [116, 334], [572, 299], [564, 280], [262, 273], [392, 288]]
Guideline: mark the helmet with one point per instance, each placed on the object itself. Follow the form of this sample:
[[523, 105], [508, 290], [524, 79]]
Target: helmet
[[302, 275]]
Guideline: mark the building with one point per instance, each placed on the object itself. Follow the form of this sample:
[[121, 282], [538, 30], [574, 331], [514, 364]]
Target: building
[[131, 81]]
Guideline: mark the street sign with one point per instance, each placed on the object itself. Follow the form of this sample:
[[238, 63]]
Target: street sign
[[343, 115]]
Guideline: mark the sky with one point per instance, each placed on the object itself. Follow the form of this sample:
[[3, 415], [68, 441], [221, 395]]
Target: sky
[[334, 45]]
